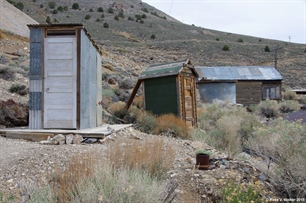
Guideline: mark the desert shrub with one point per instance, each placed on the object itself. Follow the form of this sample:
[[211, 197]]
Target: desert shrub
[[267, 49], [41, 6], [54, 11], [7, 73], [283, 143], [48, 20], [75, 6], [153, 36], [116, 17], [240, 40], [288, 106], [121, 14], [146, 122], [102, 16], [217, 39], [225, 48], [100, 9], [87, 17], [131, 18], [138, 101], [289, 95], [88, 178], [232, 192], [141, 21], [91, 10], [153, 155], [98, 20], [268, 108], [110, 10], [3, 59], [19, 5], [20, 89], [118, 109], [65, 8], [105, 25], [126, 83], [145, 10], [169, 124], [138, 17], [301, 99], [143, 16], [52, 4], [60, 8]]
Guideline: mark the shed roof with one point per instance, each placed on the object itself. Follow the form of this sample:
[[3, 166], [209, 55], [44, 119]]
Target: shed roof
[[238, 73], [166, 70], [298, 115], [67, 25]]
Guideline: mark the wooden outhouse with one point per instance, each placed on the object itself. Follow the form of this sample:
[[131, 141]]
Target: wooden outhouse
[[169, 88], [65, 78], [239, 84]]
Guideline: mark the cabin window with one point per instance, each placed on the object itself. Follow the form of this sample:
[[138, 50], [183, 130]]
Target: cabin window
[[271, 92]]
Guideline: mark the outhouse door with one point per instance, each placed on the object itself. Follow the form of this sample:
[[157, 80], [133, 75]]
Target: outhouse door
[[60, 76]]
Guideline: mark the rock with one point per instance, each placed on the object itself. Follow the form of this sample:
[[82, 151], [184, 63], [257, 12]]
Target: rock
[[90, 140], [262, 177], [77, 139], [69, 139], [13, 114], [57, 139], [106, 138]]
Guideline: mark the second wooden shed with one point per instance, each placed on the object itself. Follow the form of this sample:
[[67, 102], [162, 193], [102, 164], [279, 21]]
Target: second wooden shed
[[169, 88], [65, 78]]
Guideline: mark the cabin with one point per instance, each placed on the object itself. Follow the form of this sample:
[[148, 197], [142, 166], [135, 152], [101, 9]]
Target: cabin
[[239, 84], [65, 78], [169, 88]]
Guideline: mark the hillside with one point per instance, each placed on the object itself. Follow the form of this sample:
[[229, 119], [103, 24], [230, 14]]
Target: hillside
[[131, 45]]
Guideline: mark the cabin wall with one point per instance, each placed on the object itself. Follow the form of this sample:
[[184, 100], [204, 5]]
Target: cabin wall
[[35, 75], [161, 95], [89, 92], [248, 92], [222, 91]]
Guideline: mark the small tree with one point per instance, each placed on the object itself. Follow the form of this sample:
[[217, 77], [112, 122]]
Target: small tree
[[144, 16], [225, 48], [141, 21], [19, 5], [105, 25], [116, 17], [100, 9], [121, 14], [60, 8], [217, 39], [102, 16], [54, 11], [110, 10], [87, 17], [91, 10], [98, 20], [48, 20], [75, 6], [153, 36], [52, 4], [267, 49]]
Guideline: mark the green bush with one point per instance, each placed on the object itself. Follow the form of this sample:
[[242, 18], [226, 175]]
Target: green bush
[[75, 6], [121, 14], [116, 17], [290, 95], [98, 20], [131, 18], [110, 10], [240, 40], [54, 11], [147, 122], [225, 48], [143, 16], [269, 108], [267, 49], [105, 25], [65, 8], [217, 39], [87, 17], [145, 10], [20, 89], [100, 9], [153, 36], [141, 21], [91, 10], [138, 17], [19, 5], [41, 6], [288, 106], [48, 20], [60, 8], [102, 16], [52, 4]]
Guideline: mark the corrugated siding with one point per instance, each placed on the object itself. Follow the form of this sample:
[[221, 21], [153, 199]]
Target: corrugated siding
[[238, 73], [88, 90], [221, 91], [162, 70], [35, 75], [161, 95], [99, 90]]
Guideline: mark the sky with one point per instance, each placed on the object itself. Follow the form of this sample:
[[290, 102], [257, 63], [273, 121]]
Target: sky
[[271, 19]]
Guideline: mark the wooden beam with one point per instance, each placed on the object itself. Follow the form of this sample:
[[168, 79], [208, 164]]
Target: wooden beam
[[129, 103]]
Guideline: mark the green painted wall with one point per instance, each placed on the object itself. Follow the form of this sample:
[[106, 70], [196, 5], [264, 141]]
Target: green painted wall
[[161, 95]]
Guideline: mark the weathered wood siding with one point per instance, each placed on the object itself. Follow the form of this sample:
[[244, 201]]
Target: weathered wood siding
[[35, 75], [248, 92]]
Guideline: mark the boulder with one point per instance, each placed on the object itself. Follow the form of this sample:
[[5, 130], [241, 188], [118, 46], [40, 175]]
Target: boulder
[[13, 114]]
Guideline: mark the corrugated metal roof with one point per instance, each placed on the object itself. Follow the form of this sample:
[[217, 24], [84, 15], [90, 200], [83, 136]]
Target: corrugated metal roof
[[298, 115], [238, 73], [164, 70]]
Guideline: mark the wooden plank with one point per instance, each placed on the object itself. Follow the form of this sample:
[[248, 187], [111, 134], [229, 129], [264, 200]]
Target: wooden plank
[[34, 137], [129, 103]]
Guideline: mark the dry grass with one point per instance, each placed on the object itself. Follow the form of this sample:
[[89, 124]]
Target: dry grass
[[117, 106], [153, 156], [169, 123], [138, 102]]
